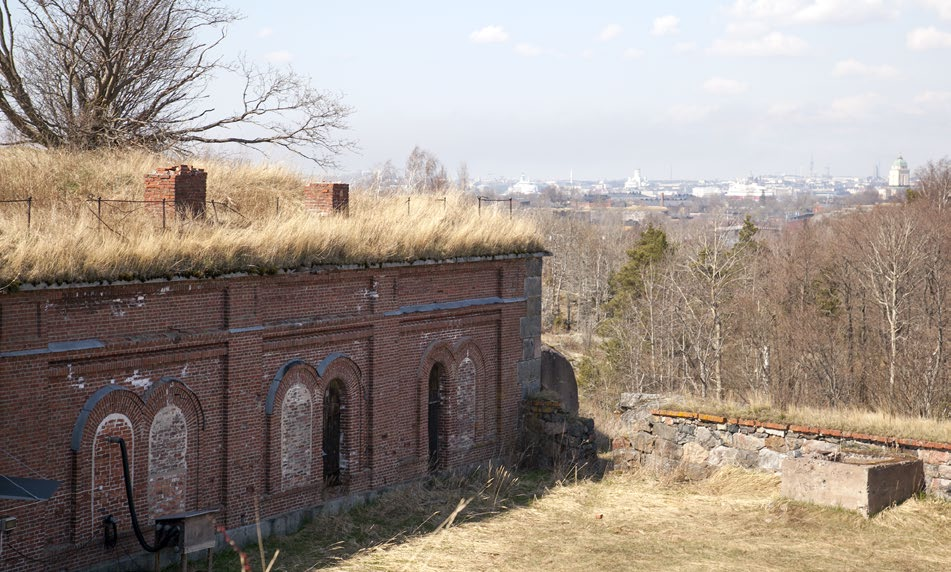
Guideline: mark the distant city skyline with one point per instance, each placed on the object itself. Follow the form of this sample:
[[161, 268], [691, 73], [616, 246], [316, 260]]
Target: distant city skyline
[[713, 90]]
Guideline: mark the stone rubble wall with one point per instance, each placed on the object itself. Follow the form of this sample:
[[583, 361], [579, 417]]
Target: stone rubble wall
[[554, 438], [694, 444]]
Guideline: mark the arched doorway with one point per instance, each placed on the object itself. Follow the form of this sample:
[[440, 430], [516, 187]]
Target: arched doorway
[[435, 406], [333, 434]]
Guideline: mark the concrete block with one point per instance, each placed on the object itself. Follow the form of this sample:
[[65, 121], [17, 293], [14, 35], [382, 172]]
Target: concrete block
[[533, 266], [528, 348], [529, 327], [558, 376], [533, 286], [854, 483], [533, 306]]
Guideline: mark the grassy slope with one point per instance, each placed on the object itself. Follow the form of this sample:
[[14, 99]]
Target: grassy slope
[[733, 521], [67, 245]]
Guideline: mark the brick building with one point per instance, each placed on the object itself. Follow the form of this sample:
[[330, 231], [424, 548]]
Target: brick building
[[290, 390]]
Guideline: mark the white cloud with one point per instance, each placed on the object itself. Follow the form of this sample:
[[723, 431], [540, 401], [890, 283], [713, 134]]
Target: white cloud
[[279, 57], [785, 109], [665, 25], [853, 107], [265, 32], [928, 38], [747, 28], [633, 54], [933, 98], [772, 44], [587, 54], [609, 32], [684, 47], [689, 113], [942, 7], [528, 50], [489, 35], [852, 67], [787, 12], [724, 86]]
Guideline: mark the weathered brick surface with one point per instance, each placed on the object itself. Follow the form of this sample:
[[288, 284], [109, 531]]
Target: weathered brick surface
[[327, 198], [183, 188], [187, 372]]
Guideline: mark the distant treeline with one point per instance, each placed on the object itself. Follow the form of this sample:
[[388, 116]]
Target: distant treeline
[[853, 309]]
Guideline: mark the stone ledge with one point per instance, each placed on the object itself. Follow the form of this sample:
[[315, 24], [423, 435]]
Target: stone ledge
[[805, 429]]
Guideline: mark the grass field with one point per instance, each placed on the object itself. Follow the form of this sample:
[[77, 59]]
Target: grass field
[[258, 227], [734, 520]]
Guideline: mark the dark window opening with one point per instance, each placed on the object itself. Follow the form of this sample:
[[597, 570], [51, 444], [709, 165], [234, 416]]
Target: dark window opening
[[333, 434], [435, 404]]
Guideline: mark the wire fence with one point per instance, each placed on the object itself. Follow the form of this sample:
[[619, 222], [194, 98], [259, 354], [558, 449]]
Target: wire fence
[[29, 208], [109, 214], [490, 200]]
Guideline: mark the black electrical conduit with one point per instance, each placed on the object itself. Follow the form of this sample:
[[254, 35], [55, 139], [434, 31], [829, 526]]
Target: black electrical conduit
[[166, 538]]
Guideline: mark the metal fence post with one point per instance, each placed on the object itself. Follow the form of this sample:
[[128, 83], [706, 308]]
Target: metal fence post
[[99, 213], [163, 214], [29, 212]]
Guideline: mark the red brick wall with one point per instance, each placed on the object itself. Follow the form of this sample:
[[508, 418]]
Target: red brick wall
[[327, 198], [182, 187], [217, 358]]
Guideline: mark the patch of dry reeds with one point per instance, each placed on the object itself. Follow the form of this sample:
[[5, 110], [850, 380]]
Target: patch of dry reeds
[[255, 225]]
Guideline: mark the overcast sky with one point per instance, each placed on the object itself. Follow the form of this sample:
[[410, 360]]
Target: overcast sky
[[693, 89]]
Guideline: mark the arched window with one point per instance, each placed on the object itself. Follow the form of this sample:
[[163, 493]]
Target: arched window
[[108, 486], [296, 437], [334, 460], [168, 468], [465, 406], [436, 376]]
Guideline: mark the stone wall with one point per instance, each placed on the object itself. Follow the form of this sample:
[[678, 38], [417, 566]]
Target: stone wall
[[218, 388], [554, 438], [694, 444]]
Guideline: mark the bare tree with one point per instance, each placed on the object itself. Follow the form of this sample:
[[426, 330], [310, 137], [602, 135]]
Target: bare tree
[[892, 249], [88, 74], [934, 183]]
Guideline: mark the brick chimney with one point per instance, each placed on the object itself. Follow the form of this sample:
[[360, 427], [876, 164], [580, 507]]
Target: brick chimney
[[327, 198], [182, 187]]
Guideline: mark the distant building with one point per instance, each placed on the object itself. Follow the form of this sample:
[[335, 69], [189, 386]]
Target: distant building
[[523, 187], [636, 182], [899, 179], [899, 175]]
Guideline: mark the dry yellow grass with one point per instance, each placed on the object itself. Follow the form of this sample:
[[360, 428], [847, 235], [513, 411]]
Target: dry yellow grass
[[66, 243], [733, 521], [879, 423]]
